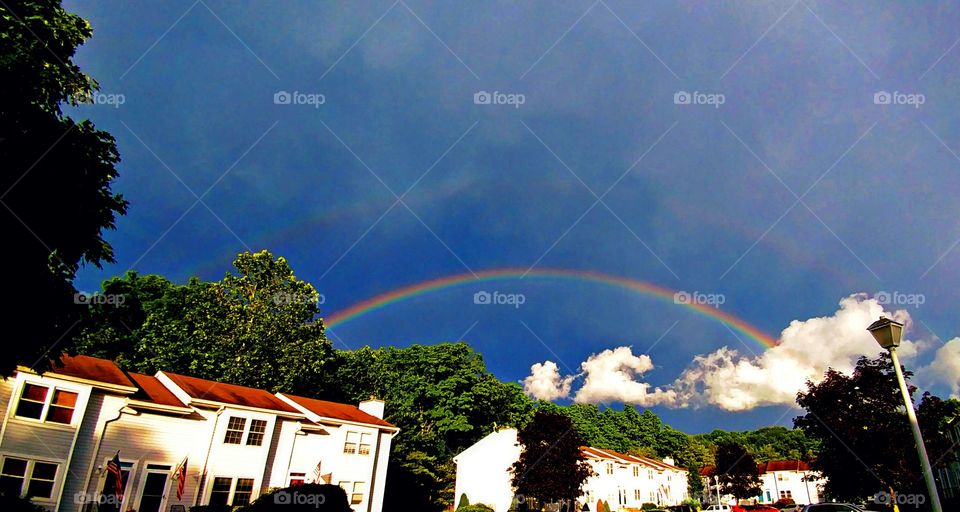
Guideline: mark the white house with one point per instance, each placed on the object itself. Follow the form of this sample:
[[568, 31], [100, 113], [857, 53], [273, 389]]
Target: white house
[[623, 481], [60, 429], [779, 479]]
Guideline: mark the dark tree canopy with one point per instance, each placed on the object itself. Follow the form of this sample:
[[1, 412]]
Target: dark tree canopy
[[737, 471], [551, 466], [55, 196], [866, 445]]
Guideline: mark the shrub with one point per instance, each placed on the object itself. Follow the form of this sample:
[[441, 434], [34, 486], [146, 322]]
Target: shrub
[[17, 504], [302, 498], [784, 502], [464, 501], [478, 507], [649, 506]]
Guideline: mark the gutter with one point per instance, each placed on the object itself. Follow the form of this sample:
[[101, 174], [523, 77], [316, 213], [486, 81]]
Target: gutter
[[203, 474], [96, 449]]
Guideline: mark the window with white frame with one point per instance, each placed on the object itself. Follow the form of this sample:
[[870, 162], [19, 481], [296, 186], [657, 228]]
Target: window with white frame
[[636, 472], [636, 495], [786, 494], [649, 474], [364, 444], [257, 430], [46, 403], [609, 468], [235, 428], [298, 479], [231, 491], [27, 477], [356, 497], [350, 445]]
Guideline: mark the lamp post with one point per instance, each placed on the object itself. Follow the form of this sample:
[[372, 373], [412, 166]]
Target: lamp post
[[887, 333]]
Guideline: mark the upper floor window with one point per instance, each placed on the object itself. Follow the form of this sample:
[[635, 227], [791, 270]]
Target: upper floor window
[[32, 478], [649, 474], [257, 429], [350, 445], [364, 444], [46, 403], [609, 468], [235, 429], [636, 472]]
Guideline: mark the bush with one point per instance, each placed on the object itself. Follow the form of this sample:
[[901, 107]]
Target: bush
[[478, 507], [784, 502], [464, 501], [649, 506], [18, 504], [302, 498]]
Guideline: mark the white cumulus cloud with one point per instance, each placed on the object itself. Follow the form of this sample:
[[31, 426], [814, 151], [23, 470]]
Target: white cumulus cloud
[[613, 376], [545, 382], [945, 367]]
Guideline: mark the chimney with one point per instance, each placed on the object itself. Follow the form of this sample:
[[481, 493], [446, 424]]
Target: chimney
[[668, 460], [373, 407]]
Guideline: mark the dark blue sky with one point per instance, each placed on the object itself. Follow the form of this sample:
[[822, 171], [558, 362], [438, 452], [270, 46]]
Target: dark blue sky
[[802, 188]]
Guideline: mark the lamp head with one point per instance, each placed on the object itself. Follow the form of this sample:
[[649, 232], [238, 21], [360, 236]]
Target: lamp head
[[887, 332]]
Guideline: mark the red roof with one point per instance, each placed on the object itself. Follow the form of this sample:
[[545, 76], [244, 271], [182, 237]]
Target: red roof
[[337, 411], [152, 390], [783, 465], [91, 368], [202, 389], [602, 453]]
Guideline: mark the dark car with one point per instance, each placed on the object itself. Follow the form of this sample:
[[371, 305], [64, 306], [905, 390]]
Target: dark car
[[834, 507]]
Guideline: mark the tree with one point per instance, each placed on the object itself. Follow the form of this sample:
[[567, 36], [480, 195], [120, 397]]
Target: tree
[[551, 466], [257, 327], [464, 501], [737, 471], [865, 441], [56, 178]]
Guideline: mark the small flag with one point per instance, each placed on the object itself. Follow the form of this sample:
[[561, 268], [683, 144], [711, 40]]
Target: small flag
[[181, 478], [316, 472], [115, 473]]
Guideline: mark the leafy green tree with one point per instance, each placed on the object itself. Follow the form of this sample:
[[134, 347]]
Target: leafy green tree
[[551, 466], [853, 416], [737, 471], [464, 501], [56, 178], [257, 327]]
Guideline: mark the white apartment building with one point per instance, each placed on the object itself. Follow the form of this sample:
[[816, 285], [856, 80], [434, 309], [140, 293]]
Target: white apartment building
[[623, 481], [780, 479], [61, 428]]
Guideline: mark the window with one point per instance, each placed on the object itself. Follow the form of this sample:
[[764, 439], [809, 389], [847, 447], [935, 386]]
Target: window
[[786, 494], [609, 468], [257, 429], [653, 497], [364, 444], [636, 472], [298, 479], [649, 474], [636, 494], [357, 495], [223, 489], [235, 430], [243, 491], [37, 402], [669, 477], [350, 446], [20, 477], [780, 476]]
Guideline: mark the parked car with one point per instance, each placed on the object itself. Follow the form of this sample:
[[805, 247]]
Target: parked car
[[717, 508], [760, 508], [834, 507]]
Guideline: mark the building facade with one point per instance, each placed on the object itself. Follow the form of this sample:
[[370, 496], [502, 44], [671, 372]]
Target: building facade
[[780, 479], [624, 481], [61, 429]]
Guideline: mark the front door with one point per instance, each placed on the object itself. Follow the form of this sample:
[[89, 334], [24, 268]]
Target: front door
[[154, 488]]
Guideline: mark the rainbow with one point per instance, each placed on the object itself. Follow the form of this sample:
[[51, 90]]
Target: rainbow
[[634, 285]]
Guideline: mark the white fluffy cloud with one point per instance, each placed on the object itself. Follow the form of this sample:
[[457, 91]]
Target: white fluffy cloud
[[736, 379], [545, 382], [945, 367], [612, 376]]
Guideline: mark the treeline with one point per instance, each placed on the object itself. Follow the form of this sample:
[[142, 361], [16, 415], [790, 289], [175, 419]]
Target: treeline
[[260, 326]]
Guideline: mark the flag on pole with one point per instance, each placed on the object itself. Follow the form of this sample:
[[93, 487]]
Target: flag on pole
[[181, 478], [115, 477], [316, 472]]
